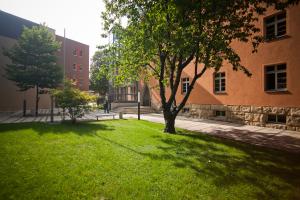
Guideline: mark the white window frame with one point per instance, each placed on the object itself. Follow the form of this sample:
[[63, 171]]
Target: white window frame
[[276, 72], [219, 78], [74, 67], [185, 83], [74, 50], [275, 24]]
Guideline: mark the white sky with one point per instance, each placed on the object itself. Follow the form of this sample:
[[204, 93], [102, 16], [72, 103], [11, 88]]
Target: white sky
[[81, 19]]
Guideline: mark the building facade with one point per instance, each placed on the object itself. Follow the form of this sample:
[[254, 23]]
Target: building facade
[[73, 57], [270, 98]]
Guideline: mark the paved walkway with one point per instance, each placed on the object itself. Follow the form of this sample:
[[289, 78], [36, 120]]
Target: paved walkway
[[268, 137], [261, 136], [44, 116]]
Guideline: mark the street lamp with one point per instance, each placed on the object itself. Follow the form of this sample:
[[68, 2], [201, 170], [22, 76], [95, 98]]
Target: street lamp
[[139, 106]]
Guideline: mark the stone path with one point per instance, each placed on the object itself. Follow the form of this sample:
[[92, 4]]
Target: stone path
[[261, 136]]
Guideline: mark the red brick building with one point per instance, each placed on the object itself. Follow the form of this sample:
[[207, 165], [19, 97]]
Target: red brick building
[[271, 97], [73, 57]]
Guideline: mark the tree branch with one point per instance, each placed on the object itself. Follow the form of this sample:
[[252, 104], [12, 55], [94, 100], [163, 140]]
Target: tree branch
[[153, 69]]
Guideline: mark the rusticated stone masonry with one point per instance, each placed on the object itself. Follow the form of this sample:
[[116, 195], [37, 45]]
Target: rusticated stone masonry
[[251, 115]]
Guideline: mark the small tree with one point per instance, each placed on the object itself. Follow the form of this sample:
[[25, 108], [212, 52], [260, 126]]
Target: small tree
[[73, 100], [98, 79], [34, 61]]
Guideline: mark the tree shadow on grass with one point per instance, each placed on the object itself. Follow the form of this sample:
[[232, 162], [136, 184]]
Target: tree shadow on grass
[[227, 163], [230, 163], [79, 128]]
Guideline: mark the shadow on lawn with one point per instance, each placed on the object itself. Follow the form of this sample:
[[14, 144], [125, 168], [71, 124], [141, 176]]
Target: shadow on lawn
[[80, 128], [245, 164], [228, 163]]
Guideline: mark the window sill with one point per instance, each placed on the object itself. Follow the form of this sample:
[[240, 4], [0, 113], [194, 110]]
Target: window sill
[[277, 91], [275, 123], [277, 38], [220, 93]]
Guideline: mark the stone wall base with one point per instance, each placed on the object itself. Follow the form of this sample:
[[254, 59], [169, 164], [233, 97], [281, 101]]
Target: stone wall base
[[250, 115]]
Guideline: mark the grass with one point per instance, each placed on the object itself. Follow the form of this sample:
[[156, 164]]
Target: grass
[[130, 159]]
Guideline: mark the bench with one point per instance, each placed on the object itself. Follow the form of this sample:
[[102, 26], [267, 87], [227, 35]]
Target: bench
[[105, 115]]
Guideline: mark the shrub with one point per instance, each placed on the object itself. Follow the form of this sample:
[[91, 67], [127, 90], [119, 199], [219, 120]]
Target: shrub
[[75, 101]]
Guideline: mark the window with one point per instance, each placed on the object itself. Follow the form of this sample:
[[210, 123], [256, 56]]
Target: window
[[185, 110], [74, 67], [275, 26], [185, 84], [219, 113], [219, 82], [80, 67], [80, 84], [277, 119], [80, 53], [275, 77], [75, 52]]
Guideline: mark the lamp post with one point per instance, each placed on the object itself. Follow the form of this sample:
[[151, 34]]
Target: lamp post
[[51, 111], [139, 106], [24, 104]]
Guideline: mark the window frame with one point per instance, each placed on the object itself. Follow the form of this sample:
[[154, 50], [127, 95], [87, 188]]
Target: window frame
[[275, 72], [74, 52], [219, 79], [80, 83], [275, 24], [74, 67], [220, 113], [184, 81], [276, 119]]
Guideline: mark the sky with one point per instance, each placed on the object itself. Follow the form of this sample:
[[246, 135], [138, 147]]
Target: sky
[[81, 19]]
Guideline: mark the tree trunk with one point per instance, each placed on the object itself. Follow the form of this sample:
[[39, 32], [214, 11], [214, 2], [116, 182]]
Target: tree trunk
[[169, 123], [37, 101]]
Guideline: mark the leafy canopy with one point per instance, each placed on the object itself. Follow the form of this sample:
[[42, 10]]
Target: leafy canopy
[[98, 79], [162, 37], [34, 60]]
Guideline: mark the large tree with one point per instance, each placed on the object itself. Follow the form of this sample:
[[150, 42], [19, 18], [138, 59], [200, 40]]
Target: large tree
[[98, 79], [163, 37], [34, 61]]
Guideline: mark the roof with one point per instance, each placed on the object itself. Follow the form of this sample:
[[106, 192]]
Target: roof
[[12, 26]]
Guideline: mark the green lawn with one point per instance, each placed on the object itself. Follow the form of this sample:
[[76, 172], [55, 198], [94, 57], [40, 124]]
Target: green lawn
[[130, 159]]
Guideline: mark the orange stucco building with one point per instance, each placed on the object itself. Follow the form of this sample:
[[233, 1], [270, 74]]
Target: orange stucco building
[[73, 56], [271, 97]]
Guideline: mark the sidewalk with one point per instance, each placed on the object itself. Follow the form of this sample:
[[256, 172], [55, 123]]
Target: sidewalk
[[43, 116], [261, 136]]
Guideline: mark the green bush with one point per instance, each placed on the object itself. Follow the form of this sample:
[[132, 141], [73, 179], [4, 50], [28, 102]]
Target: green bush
[[75, 101]]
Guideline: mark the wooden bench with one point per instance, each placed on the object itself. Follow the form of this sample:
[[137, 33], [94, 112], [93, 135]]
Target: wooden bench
[[105, 115]]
